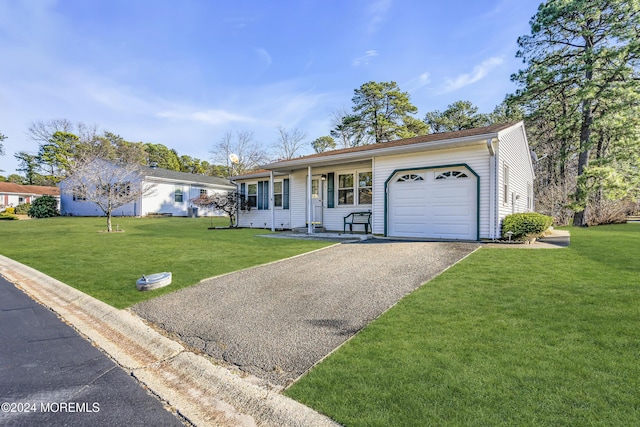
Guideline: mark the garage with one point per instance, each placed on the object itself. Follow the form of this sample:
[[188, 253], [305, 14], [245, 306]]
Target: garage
[[434, 203]]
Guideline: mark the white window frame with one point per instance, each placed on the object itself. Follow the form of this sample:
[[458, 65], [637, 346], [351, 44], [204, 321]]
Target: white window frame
[[506, 197], [79, 193], [347, 189], [254, 195], [370, 187], [276, 193], [178, 191], [355, 188]]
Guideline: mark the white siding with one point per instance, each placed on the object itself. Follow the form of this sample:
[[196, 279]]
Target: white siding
[[333, 218], [476, 156], [296, 215], [161, 201], [261, 218], [298, 198], [512, 150]]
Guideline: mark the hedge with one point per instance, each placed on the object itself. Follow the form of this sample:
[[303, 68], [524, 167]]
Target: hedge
[[526, 226], [44, 207], [23, 208]]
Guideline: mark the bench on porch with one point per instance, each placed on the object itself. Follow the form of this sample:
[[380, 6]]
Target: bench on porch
[[357, 218]]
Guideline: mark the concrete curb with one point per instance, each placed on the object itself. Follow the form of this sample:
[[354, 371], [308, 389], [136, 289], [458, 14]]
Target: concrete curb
[[203, 393]]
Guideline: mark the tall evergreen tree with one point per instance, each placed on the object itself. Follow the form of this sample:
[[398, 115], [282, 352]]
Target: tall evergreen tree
[[384, 111], [458, 116], [587, 53]]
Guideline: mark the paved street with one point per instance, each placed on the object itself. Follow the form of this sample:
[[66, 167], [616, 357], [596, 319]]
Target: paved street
[[50, 375]]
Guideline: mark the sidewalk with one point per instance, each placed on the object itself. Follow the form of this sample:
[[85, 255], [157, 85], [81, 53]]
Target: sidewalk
[[555, 240], [203, 393]]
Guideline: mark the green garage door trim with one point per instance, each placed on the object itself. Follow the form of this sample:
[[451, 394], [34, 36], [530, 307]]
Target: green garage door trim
[[457, 165]]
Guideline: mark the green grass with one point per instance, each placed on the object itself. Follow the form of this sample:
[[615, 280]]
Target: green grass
[[506, 337], [107, 265]]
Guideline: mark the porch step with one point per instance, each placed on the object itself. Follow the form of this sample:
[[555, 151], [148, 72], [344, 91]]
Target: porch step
[[304, 229]]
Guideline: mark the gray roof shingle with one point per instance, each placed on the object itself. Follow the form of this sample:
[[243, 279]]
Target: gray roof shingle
[[186, 177]]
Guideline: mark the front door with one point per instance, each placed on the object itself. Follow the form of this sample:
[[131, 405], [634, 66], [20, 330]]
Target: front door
[[316, 201]]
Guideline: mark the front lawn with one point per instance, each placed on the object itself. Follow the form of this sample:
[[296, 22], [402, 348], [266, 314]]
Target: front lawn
[[506, 337], [107, 265]]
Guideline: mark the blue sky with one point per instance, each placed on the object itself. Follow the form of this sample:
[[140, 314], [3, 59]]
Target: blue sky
[[182, 73]]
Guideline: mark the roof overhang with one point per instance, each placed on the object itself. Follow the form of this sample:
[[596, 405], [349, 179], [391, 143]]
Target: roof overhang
[[377, 151], [261, 174], [185, 182]]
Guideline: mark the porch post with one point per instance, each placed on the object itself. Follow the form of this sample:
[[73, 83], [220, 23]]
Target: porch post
[[309, 206], [271, 202]]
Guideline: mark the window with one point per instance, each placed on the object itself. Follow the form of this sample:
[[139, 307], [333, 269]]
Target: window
[[410, 177], [258, 195], [365, 187], [178, 195], [505, 184], [452, 175], [252, 195], [79, 193], [122, 189], [203, 193], [277, 194], [345, 189]]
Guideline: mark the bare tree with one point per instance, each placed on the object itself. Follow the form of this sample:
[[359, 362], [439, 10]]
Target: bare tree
[[230, 203], [42, 131], [289, 142], [108, 185], [242, 144]]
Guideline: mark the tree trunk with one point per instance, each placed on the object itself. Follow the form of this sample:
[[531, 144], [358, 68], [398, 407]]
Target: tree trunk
[[109, 222], [580, 218]]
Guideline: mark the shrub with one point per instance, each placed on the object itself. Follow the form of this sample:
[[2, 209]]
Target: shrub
[[526, 226], [44, 207], [10, 211], [7, 216], [23, 208]]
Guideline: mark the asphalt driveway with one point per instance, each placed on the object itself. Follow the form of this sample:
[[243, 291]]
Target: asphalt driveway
[[277, 320]]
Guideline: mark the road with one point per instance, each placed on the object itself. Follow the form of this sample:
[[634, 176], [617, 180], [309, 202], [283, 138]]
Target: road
[[50, 375]]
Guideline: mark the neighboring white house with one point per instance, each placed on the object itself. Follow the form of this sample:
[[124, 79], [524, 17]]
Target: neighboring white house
[[12, 195], [173, 195], [456, 185]]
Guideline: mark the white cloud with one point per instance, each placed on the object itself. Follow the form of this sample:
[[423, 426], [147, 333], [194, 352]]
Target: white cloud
[[265, 59], [365, 59], [212, 117], [377, 12], [479, 72], [418, 82]]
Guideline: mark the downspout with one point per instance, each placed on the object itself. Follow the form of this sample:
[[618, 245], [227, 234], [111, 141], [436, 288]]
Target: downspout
[[492, 189], [271, 202], [309, 206]]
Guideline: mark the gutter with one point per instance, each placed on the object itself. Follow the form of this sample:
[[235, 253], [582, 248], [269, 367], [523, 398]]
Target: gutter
[[493, 185], [376, 151]]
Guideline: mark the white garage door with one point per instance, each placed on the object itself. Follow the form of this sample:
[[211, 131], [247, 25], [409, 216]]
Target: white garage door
[[440, 203]]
